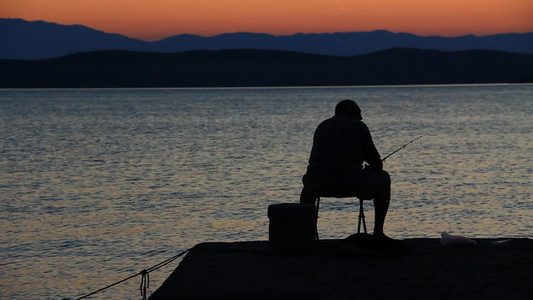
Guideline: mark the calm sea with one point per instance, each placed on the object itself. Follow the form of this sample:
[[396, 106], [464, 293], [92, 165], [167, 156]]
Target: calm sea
[[96, 185]]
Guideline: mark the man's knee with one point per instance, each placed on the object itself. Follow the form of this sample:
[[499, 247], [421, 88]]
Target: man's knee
[[307, 197], [385, 177]]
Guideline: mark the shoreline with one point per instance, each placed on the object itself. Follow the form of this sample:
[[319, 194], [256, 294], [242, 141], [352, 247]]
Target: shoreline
[[493, 269]]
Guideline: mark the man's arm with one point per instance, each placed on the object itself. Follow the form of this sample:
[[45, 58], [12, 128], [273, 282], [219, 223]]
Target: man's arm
[[371, 154], [373, 158]]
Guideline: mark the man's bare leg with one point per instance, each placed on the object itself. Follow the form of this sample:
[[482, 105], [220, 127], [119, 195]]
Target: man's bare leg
[[381, 204]]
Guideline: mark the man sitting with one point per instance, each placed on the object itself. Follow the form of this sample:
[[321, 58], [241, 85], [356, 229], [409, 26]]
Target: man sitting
[[341, 145]]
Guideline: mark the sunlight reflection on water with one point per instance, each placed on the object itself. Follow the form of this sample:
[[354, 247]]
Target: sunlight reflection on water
[[100, 184]]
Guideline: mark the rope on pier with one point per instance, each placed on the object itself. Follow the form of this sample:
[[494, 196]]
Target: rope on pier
[[145, 277]]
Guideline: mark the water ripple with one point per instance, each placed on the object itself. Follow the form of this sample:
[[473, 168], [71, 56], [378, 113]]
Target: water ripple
[[98, 184]]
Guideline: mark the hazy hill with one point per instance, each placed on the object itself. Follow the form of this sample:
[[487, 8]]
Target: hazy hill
[[244, 68], [37, 40]]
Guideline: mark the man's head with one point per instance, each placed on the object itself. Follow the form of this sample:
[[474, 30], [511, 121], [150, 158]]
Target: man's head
[[349, 108]]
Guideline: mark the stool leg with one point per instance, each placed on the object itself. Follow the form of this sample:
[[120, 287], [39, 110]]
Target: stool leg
[[361, 217], [316, 221]]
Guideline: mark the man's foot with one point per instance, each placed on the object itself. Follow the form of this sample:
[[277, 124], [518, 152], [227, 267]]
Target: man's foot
[[379, 245], [395, 245]]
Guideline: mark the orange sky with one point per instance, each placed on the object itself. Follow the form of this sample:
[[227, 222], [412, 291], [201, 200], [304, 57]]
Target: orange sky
[[156, 19]]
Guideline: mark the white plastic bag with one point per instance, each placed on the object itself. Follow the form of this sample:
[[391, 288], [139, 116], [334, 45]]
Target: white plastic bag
[[455, 240]]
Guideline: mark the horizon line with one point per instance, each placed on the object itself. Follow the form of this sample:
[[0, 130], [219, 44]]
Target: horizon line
[[265, 33]]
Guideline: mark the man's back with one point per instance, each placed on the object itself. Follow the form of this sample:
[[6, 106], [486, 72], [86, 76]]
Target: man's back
[[340, 146]]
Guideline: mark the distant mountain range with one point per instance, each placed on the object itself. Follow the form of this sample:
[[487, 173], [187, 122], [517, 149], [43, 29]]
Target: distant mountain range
[[256, 68], [26, 40]]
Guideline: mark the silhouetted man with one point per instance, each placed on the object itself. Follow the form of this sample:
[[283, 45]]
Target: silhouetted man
[[341, 145]]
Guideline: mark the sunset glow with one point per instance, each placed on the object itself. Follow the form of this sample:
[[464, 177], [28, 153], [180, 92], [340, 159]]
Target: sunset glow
[[156, 19]]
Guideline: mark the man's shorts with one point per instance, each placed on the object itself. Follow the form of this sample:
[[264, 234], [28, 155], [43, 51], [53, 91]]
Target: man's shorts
[[367, 185], [371, 183]]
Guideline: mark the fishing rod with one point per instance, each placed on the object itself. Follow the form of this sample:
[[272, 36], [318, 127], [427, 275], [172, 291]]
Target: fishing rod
[[400, 148]]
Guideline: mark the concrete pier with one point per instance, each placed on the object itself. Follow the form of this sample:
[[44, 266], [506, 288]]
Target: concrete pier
[[494, 269]]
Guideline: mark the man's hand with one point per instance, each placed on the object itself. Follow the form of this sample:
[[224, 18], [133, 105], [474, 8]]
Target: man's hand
[[378, 165]]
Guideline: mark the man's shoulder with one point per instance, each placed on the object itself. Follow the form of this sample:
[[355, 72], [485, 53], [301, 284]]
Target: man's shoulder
[[343, 121], [327, 121]]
